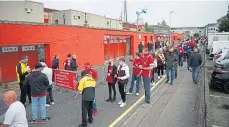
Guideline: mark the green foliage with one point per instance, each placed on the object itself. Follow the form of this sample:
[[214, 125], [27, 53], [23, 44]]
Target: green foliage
[[224, 25], [196, 35]]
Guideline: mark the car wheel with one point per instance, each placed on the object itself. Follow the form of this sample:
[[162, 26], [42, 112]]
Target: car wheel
[[226, 87]]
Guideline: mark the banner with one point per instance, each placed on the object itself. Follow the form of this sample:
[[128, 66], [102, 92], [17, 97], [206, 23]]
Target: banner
[[66, 80]]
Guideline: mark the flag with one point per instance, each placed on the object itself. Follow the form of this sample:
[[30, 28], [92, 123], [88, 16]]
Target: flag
[[144, 11]]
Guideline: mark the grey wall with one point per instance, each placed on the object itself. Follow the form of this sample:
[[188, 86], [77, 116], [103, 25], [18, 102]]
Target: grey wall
[[16, 11], [73, 17], [58, 15]]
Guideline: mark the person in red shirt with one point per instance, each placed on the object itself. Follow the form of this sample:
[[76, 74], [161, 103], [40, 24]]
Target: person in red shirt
[[146, 68], [111, 79], [137, 61], [67, 62], [94, 75], [181, 55]]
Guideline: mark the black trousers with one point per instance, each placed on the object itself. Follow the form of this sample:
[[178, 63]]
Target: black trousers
[[49, 97], [180, 60], [153, 71], [25, 90], [87, 110], [111, 86], [160, 70], [122, 90]]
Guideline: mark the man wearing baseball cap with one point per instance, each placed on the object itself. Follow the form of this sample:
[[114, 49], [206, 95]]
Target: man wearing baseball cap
[[94, 74]]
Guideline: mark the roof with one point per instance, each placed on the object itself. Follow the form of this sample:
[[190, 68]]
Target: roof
[[49, 10]]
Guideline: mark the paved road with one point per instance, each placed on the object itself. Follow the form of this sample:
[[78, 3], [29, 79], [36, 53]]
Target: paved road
[[172, 106], [67, 112]]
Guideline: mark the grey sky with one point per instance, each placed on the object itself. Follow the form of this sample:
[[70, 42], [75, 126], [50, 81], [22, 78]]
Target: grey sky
[[186, 13]]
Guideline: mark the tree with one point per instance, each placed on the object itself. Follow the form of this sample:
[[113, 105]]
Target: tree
[[224, 25], [196, 35]]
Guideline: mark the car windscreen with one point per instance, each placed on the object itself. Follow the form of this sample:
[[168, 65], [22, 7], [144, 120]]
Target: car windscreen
[[223, 63], [219, 51]]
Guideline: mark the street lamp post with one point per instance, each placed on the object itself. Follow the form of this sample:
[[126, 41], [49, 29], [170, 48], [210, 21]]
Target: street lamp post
[[170, 35]]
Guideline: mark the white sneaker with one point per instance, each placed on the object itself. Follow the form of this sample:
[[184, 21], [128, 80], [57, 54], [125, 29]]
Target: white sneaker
[[152, 84], [120, 102], [47, 105], [122, 105], [52, 103], [128, 93], [159, 77], [137, 94]]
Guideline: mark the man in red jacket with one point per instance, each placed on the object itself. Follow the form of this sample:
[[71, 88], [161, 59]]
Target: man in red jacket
[[146, 68], [94, 75], [181, 55], [137, 61]]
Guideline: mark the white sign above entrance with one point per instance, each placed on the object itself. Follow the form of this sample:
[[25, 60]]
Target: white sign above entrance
[[9, 49], [28, 48]]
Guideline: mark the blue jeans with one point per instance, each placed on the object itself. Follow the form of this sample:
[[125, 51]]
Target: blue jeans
[[146, 82], [38, 101], [94, 104], [170, 71], [137, 79], [195, 72]]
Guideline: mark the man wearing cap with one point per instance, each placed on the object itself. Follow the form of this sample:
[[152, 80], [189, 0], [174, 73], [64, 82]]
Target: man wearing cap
[[22, 71], [94, 75], [39, 83], [87, 87]]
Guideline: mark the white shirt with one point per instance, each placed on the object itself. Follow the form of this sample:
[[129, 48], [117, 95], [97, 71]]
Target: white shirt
[[16, 116], [127, 71], [48, 72]]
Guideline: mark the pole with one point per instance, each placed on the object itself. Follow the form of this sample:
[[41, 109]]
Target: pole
[[137, 21], [170, 41]]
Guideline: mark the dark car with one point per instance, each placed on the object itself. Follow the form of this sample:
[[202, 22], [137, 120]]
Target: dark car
[[220, 75]]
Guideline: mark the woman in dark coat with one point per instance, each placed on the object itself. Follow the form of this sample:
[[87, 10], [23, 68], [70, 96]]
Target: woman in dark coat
[[111, 80]]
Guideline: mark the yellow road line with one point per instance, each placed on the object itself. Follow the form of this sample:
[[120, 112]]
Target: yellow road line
[[133, 106]]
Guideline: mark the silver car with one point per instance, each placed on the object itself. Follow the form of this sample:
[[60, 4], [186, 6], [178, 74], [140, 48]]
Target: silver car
[[222, 56]]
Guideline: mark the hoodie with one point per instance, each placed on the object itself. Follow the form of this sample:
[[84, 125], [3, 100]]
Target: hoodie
[[38, 82]]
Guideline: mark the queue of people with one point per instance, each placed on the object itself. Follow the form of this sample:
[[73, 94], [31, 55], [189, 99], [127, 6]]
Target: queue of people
[[37, 83]]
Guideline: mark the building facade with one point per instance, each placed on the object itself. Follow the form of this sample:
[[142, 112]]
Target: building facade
[[28, 11], [78, 18], [189, 31], [211, 28], [160, 28]]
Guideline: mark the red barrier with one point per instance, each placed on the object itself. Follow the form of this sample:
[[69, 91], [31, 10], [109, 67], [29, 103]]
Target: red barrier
[[66, 80]]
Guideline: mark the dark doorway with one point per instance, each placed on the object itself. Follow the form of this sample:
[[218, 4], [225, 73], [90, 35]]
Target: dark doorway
[[128, 46]]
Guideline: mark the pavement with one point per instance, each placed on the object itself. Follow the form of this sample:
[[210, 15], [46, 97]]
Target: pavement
[[66, 112], [171, 106]]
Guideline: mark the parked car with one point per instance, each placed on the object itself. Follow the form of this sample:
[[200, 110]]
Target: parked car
[[220, 75], [221, 56]]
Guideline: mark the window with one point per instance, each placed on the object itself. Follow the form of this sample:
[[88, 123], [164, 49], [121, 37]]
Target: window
[[56, 21], [78, 17], [215, 38]]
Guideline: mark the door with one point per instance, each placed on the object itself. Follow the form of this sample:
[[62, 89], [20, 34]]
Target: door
[[128, 46]]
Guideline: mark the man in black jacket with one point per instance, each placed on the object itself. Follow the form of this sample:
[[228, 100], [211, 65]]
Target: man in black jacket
[[39, 83], [195, 63], [140, 47], [73, 64]]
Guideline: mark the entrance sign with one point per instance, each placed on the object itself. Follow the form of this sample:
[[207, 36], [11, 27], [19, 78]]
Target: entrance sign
[[9, 49], [28, 48]]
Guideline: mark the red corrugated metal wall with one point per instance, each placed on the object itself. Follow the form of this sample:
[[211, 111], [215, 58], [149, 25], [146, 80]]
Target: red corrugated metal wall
[[9, 60]]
